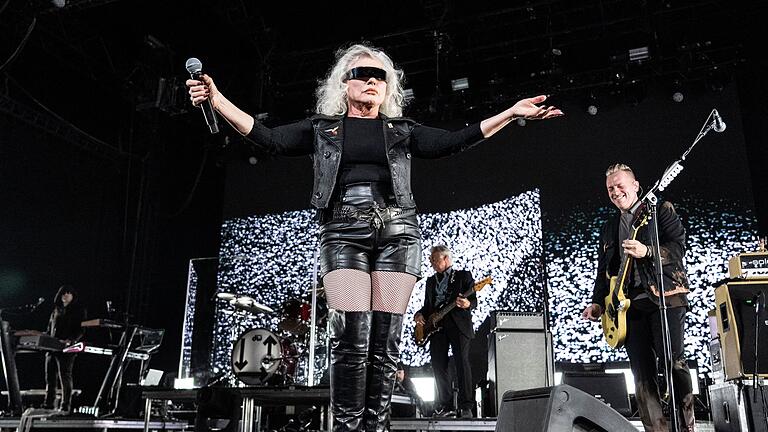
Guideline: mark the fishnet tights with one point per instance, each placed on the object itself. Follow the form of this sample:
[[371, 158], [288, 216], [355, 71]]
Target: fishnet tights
[[355, 290]]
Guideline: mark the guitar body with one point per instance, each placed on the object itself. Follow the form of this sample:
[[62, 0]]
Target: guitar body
[[423, 332], [614, 317]]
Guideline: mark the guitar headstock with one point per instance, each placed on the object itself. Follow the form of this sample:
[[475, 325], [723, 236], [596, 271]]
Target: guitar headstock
[[482, 283]]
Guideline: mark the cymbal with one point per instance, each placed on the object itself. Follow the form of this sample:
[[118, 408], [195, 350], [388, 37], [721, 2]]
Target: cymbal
[[250, 305], [226, 296]]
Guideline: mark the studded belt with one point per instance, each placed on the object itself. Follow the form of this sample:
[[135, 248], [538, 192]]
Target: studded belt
[[375, 215]]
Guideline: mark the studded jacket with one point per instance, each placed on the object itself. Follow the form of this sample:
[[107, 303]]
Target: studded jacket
[[322, 137]]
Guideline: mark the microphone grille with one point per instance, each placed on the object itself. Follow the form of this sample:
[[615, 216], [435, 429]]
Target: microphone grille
[[194, 65]]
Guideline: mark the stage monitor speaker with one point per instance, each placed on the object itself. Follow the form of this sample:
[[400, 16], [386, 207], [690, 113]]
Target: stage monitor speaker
[[610, 388], [518, 359], [561, 408], [735, 308]]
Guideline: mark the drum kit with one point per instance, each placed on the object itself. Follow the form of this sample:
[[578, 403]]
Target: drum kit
[[262, 357]]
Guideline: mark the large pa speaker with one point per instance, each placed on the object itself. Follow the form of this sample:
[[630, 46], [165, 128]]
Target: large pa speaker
[[735, 307], [519, 356], [561, 408], [609, 388]]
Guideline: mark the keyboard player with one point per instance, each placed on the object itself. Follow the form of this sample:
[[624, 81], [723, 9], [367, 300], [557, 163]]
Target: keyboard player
[[64, 324]]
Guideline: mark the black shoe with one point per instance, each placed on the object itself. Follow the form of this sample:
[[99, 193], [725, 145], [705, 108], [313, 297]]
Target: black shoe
[[444, 412], [349, 334], [382, 357]]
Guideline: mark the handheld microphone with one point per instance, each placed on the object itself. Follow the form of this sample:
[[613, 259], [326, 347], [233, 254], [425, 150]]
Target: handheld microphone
[[719, 125], [195, 69]]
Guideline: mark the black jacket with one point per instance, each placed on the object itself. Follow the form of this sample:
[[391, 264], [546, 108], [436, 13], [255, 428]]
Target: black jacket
[[672, 242], [323, 138], [460, 282], [65, 322]]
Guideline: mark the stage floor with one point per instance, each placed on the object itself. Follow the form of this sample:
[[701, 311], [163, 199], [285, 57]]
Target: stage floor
[[400, 424], [59, 422]]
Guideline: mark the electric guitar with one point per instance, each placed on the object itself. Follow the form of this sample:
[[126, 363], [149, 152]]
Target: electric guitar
[[614, 317], [432, 325]]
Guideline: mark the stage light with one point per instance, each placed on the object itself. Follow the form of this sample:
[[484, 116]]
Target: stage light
[[425, 387], [184, 383], [592, 106], [408, 95], [460, 84], [638, 55], [677, 91]]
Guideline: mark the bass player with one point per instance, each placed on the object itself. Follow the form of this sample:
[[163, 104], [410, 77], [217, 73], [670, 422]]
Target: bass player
[[644, 340], [446, 286]]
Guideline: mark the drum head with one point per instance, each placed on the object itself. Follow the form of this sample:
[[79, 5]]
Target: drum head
[[256, 356]]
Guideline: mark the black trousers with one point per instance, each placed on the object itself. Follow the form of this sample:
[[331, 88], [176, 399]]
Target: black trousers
[[450, 336], [58, 366], [645, 348]]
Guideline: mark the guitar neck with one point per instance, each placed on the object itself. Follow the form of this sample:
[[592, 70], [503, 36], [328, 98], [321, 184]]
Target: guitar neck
[[626, 264]]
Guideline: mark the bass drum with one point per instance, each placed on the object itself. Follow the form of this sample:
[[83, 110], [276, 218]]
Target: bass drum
[[257, 357]]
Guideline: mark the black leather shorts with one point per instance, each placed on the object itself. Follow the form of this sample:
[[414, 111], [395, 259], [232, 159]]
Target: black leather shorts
[[365, 230]]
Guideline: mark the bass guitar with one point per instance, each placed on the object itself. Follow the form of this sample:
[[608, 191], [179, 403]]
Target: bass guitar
[[614, 317], [432, 325]]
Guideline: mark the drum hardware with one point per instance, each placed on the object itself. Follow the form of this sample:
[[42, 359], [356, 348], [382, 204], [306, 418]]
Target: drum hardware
[[249, 304], [226, 296]]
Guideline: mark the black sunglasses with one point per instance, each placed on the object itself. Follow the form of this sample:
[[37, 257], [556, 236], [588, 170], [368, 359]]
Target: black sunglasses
[[365, 73]]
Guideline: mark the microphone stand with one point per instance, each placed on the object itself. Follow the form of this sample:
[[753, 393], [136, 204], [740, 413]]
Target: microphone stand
[[755, 372], [650, 200]]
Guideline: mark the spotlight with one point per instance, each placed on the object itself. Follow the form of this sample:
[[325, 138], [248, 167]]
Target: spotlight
[[460, 84], [592, 109], [678, 96], [521, 121], [253, 160]]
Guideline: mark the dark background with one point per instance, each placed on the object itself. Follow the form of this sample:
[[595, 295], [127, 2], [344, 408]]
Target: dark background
[[109, 180]]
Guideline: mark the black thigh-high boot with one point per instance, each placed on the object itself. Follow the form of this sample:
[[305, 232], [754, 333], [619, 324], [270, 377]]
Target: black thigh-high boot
[[383, 357], [350, 336]]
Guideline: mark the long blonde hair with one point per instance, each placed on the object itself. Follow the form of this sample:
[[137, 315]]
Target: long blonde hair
[[332, 90]]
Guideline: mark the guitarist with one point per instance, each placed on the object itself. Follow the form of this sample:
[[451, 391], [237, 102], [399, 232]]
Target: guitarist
[[443, 287], [644, 341]]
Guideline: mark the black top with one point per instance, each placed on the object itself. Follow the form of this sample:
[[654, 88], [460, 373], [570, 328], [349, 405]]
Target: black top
[[364, 158], [65, 322]]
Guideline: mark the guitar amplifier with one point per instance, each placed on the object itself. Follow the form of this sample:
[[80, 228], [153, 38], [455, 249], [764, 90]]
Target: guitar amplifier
[[750, 265], [516, 321]]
